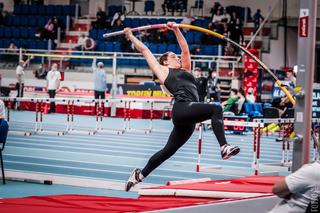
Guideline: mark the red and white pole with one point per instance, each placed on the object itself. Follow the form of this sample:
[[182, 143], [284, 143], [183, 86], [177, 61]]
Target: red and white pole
[[258, 150], [199, 147], [37, 116]]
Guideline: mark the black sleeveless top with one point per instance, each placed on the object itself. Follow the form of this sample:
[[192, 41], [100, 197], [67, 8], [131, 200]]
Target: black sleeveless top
[[182, 85]]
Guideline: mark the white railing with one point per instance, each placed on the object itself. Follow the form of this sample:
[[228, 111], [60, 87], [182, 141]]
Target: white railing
[[61, 54]]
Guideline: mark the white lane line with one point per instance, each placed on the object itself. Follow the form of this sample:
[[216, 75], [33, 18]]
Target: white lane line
[[120, 151]]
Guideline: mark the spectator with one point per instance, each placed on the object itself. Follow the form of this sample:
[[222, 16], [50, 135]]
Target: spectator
[[217, 6], [201, 84], [158, 36], [117, 20], [100, 81], [12, 54], [20, 79], [48, 31], [196, 50], [290, 76], [213, 87], [299, 189], [89, 44], [81, 42], [101, 19], [217, 22], [250, 96], [41, 72], [56, 25], [282, 104], [53, 84], [230, 104], [236, 31], [257, 18], [126, 46], [241, 101], [226, 18]]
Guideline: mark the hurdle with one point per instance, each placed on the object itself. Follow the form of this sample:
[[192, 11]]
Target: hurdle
[[70, 118], [13, 132], [128, 115], [100, 116], [256, 143], [39, 122], [286, 125]]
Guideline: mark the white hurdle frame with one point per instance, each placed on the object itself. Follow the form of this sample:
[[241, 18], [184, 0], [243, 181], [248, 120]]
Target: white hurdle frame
[[256, 144], [100, 116], [70, 118], [12, 132], [38, 129]]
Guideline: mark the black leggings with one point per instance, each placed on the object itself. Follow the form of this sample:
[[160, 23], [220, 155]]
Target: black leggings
[[184, 116]]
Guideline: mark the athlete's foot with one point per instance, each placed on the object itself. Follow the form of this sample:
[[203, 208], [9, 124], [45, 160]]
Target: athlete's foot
[[133, 179], [228, 151]]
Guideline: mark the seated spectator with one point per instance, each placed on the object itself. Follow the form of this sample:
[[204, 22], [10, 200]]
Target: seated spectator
[[10, 59], [41, 72], [89, 44], [217, 22], [213, 87], [217, 6], [241, 102], [226, 18], [250, 96], [117, 20], [195, 50], [81, 42], [230, 104], [144, 36], [85, 44], [282, 104], [125, 45], [158, 36], [299, 190]]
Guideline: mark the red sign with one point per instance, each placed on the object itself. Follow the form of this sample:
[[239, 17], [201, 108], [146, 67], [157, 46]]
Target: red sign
[[303, 22]]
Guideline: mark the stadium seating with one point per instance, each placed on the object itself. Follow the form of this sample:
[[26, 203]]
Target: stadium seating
[[45, 10]]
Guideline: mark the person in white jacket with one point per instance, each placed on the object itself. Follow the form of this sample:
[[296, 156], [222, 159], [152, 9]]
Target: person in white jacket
[[53, 84]]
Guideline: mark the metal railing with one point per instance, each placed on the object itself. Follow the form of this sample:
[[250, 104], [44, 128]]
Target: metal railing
[[61, 56]]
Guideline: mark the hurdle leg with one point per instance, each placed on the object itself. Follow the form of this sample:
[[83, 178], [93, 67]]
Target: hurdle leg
[[258, 150], [199, 147], [283, 143], [288, 142]]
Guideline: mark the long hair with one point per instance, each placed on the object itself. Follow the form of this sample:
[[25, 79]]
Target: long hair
[[164, 58]]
